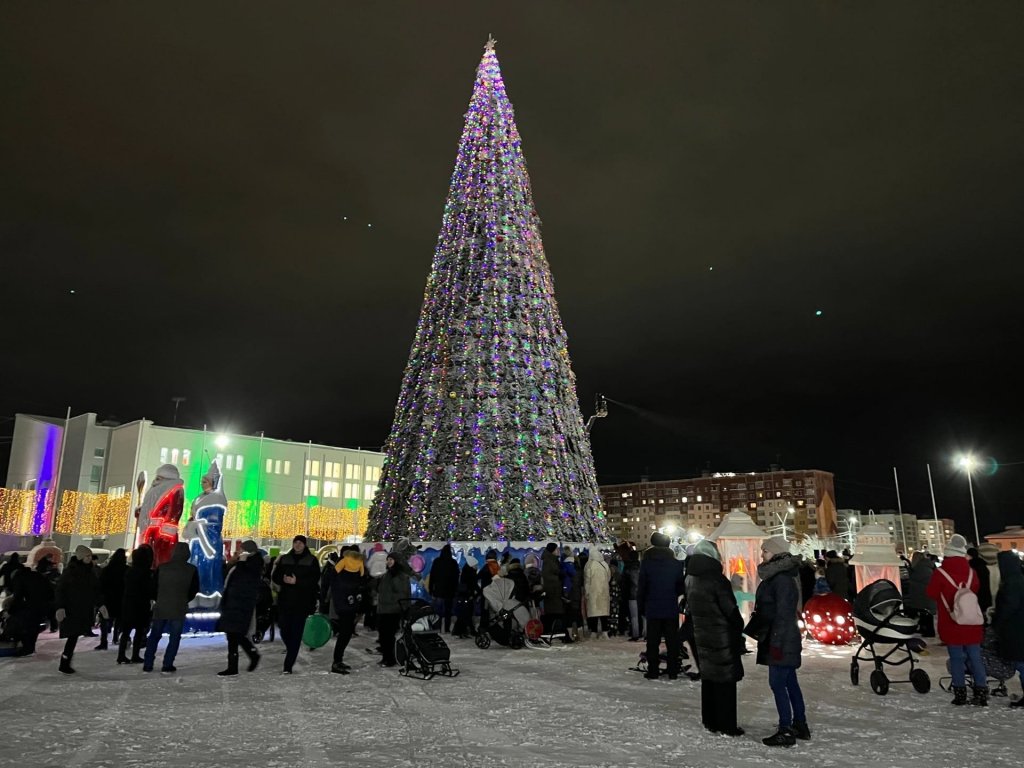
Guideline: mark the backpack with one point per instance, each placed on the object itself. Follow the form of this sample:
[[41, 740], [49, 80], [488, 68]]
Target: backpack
[[965, 611]]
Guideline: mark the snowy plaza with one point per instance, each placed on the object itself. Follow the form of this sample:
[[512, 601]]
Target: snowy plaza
[[570, 705]]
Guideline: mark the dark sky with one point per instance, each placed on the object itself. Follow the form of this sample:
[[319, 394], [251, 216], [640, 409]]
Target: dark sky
[[709, 176]]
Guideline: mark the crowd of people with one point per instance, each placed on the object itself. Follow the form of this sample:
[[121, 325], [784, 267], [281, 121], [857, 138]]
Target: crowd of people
[[576, 595]]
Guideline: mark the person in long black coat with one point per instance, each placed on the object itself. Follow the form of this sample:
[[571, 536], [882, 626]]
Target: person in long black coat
[[718, 635], [444, 584], [33, 601], [77, 598], [466, 599], [980, 568], [297, 576], [1008, 619], [136, 610], [661, 583], [238, 607], [112, 586]]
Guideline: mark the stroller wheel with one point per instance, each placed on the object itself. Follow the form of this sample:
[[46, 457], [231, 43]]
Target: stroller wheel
[[257, 638], [855, 673], [920, 680], [879, 682], [516, 640], [483, 640]]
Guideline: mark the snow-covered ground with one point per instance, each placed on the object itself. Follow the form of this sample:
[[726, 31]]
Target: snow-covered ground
[[571, 705]]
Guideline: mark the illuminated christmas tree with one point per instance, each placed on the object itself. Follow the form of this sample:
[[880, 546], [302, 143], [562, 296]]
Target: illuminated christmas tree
[[488, 441]]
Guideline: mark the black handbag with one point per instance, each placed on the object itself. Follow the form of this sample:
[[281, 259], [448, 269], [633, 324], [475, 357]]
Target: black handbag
[[756, 627]]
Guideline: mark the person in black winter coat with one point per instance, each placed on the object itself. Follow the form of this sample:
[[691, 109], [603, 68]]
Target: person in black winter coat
[[112, 586], [136, 602], [347, 586], [238, 607], [980, 568], [718, 635], [660, 584], [77, 597], [554, 603], [776, 612], [9, 572], [175, 584], [1008, 620], [466, 599], [33, 601], [297, 576], [837, 574], [444, 584]]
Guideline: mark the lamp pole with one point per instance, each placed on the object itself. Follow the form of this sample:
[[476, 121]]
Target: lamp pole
[[967, 463], [974, 511]]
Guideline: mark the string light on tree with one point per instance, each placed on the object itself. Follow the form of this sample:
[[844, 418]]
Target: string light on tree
[[488, 440]]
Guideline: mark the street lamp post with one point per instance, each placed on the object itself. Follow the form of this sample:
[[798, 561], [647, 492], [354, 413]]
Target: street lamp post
[[967, 463]]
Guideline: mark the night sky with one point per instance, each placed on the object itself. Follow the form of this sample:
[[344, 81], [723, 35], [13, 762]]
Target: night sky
[[175, 183]]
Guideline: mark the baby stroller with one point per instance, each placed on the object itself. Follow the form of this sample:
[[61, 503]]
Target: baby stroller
[[997, 670], [510, 618], [420, 650], [880, 619]]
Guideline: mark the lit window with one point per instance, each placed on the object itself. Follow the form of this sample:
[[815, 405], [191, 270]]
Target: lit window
[[270, 466], [351, 490], [163, 455], [314, 468], [98, 453], [186, 457], [174, 456], [310, 487], [231, 462], [287, 467], [277, 466], [353, 472], [368, 491], [700, 498], [331, 489], [373, 474], [684, 499], [238, 462]]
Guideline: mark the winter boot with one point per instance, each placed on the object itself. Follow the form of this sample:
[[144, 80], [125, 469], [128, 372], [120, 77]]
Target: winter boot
[[1018, 703], [137, 646], [254, 659], [782, 738], [339, 668], [801, 731], [959, 695], [65, 665], [232, 666], [980, 697], [103, 644], [122, 649]]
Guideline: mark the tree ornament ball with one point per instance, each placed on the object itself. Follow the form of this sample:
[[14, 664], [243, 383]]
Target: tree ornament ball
[[828, 618]]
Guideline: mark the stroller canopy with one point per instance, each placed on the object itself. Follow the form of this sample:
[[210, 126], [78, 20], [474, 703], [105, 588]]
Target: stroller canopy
[[876, 600], [498, 595]]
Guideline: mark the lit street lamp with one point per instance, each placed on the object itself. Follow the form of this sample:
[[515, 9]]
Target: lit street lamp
[[968, 463]]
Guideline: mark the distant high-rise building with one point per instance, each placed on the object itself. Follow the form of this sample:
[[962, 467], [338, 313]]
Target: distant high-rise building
[[799, 501], [932, 535]]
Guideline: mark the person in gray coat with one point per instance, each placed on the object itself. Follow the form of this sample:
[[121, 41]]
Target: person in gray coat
[[395, 586], [175, 584], [776, 612]]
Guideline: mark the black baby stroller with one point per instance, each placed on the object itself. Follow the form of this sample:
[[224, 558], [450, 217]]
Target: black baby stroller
[[509, 617], [997, 670], [880, 619], [420, 650]]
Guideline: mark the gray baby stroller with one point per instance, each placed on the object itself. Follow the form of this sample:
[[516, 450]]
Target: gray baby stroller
[[511, 624]]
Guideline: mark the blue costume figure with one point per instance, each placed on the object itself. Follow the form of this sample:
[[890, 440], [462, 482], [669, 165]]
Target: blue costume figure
[[203, 532]]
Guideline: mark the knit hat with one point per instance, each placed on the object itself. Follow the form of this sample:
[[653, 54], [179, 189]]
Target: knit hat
[[956, 546], [250, 546], [659, 540], [707, 548], [989, 553], [776, 545], [82, 552], [300, 537]]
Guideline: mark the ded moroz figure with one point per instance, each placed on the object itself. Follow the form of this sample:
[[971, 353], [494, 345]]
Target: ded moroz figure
[[203, 532]]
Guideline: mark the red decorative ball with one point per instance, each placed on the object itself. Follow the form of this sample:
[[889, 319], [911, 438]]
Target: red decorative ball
[[828, 618]]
